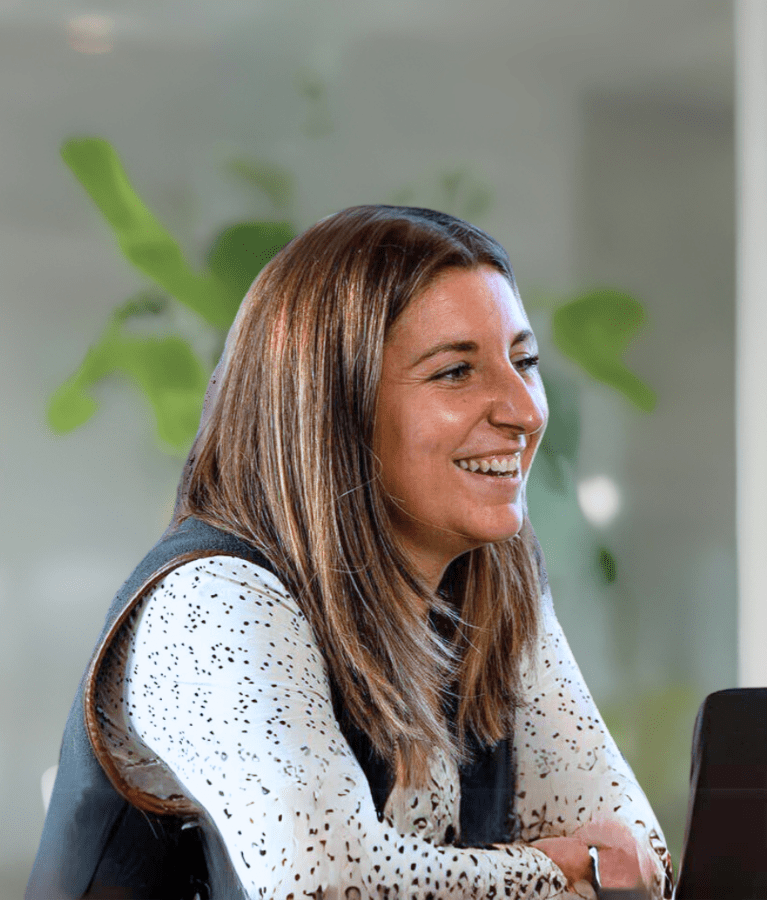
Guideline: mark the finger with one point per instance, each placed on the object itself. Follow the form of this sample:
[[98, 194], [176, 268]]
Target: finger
[[584, 890]]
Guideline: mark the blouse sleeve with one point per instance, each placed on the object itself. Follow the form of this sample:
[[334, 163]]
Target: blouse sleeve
[[571, 777], [224, 683]]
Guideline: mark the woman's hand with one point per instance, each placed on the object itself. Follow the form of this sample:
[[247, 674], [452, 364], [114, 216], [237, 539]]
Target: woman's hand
[[571, 855], [618, 866]]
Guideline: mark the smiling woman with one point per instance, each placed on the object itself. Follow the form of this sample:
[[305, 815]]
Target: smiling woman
[[339, 672], [461, 411]]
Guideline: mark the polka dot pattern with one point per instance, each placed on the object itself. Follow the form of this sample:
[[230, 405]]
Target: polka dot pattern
[[215, 680]]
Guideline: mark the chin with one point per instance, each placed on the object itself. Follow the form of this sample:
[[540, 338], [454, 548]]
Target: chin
[[498, 535], [509, 526]]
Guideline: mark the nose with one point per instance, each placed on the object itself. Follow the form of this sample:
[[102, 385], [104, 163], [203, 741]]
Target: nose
[[518, 402]]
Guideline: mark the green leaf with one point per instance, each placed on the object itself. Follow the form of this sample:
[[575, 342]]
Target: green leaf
[[607, 565], [240, 252], [274, 181], [70, 407], [143, 241], [173, 380], [594, 331], [166, 369], [140, 304]]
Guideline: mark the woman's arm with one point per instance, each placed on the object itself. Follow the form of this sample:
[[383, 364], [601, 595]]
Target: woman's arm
[[224, 682], [571, 778]]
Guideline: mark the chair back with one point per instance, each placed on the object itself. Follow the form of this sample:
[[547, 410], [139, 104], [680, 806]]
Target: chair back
[[724, 856]]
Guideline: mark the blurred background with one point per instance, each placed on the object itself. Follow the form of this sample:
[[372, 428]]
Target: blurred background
[[594, 140]]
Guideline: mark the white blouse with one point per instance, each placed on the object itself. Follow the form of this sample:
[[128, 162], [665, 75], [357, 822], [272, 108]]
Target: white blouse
[[224, 682]]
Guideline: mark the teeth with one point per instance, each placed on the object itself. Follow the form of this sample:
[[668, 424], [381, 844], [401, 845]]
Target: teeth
[[501, 466]]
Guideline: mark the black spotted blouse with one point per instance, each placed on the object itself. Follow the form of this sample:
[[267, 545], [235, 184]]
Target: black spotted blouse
[[220, 677]]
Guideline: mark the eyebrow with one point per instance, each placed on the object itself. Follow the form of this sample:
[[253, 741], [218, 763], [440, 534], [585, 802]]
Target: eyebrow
[[465, 347]]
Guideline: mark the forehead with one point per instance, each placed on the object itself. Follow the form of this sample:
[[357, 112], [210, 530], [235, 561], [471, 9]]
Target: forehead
[[460, 301]]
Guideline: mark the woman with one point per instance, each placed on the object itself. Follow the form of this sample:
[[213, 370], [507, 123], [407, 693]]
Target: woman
[[339, 673]]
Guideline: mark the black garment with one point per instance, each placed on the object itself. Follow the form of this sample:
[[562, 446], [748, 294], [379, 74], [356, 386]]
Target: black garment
[[97, 844]]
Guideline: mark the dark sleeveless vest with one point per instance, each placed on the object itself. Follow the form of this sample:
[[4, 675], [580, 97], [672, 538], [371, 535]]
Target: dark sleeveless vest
[[99, 841]]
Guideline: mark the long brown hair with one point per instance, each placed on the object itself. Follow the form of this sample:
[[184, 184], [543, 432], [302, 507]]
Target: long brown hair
[[285, 461]]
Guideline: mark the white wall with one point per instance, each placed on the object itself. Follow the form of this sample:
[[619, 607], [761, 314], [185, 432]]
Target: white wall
[[751, 37]]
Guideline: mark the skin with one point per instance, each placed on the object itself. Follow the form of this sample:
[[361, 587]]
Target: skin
[[483, 398], [457, 404], [618, 867]]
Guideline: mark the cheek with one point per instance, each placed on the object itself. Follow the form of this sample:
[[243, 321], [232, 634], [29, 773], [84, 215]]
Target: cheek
[[411, 447], [543, 404], [431, 436], [393, 446]]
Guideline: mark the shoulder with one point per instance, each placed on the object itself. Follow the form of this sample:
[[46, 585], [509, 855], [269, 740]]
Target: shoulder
[[215, 651], [231, 580], [222, 617]]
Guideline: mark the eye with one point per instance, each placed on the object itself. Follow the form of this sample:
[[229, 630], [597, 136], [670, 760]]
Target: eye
[[454, 373], [528, 362]]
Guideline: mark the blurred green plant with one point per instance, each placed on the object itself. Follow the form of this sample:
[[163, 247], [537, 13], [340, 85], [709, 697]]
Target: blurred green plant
[[167, 370], [455, 191], [592, 329]]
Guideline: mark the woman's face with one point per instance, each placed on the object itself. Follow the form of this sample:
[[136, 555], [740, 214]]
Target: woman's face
[[461, 411]]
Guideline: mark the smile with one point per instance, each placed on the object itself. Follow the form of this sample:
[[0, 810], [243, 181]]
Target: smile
[[493, 465]]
